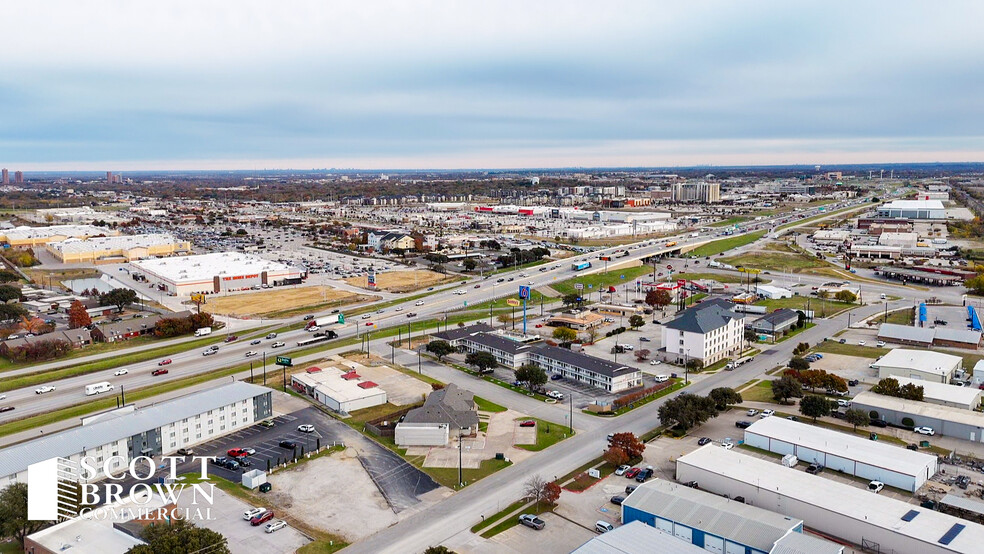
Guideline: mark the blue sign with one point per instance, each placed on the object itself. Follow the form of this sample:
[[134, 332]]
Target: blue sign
[[590, 286], [622, 276], [524, 292]]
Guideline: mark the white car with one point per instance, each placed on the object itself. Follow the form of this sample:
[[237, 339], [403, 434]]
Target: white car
[[44, 389], [860, 343], [621, 470], [118, 372], [419, 303], [876, 486], [844, 403], [752, 412], [366, 316], [556, 395], [278, 344], [251, 353], [767, 413], [313, 328], [924, 431], [880, 344], [727, 445], [306, 428], [400, 309], [250, 514], [249, 451], [275, 526], [655, 362]]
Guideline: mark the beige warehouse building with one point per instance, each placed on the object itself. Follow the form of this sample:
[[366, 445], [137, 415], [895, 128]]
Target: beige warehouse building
[[39, 236], [105, 250]]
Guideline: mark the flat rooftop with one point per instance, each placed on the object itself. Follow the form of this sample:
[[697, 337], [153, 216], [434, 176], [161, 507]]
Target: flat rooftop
[[914, 407], [206, 266], [331, 383], [851, 447], [122, 242], [943, 391], [926, 526], [23, 233], [922, 360]]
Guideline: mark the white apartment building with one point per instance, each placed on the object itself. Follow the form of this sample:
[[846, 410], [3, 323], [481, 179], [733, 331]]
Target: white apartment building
[[708, 332]]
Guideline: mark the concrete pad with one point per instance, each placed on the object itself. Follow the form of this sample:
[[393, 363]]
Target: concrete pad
[[560, 534]]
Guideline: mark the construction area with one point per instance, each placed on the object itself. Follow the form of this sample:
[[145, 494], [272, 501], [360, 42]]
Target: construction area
[[281, 302], [403, 280]]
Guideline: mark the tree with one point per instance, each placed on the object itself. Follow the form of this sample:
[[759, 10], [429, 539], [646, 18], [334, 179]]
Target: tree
[[722, 396], [572, 300], [564, 334], [13, 513], [592, 334], [846, 296], [439, 348], [857, 417], [694, 364], [440, 549], [9, 292], [77, 316], [750, 336], [483, 361], [504, 319], [532, 375], [888, 386], [687, 410], [551, 493], [12, 312], [785, 388], [636, 321], [814, 406], [8, 276], [535, 488], [659, 299], [642, 355], [798, 363], [241, 232], [975, 284], [911, 391], [469, 264], [121, 298], [628, 443], [180, 537], [615, 456], [32, 324]]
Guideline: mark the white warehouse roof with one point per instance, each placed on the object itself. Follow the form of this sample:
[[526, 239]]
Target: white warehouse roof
[[206, 266], [112, 243], [912, 205], [925, 526], [637, 538], [938, 393], [914, 407], [925, 361], [852, 447]]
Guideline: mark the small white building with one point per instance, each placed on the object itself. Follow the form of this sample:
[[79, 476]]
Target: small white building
[[773, 293], [342, 391], [966, 398], [850, 454], [918, 364]]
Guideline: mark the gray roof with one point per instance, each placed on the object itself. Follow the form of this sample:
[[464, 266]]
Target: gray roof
[[582, 361], [498, 342], [637, 538], [137, 324], [461, 332], [114, 427], [801, 543], [706, 317], [778, 317], [711, 513], [906, 332], [968, 336], [452, 405]]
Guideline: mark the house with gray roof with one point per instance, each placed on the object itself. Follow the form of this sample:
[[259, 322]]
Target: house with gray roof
[[709, 332], [447, 412], [775, 323]]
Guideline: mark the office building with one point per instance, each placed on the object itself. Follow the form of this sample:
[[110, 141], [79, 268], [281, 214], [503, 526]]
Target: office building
[[6, 176], [709, 332], [704, 193]]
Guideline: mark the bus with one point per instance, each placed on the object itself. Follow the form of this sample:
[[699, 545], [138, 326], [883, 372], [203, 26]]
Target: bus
[[580, 265]]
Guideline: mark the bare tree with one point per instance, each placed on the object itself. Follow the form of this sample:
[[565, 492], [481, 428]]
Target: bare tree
[[535, 488]]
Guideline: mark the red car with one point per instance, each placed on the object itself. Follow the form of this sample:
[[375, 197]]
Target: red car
[[631, 474], [369, 324], [262, 518], [478, 286], [231, 338], [164, 362], [159, 372], [527, 423], [236, 452]]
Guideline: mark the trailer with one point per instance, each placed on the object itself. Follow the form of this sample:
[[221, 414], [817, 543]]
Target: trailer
[[335, 319], [97, 388], [203, 331], [580, 265]]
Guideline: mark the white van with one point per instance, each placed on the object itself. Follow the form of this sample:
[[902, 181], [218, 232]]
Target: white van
[[603, 526], [662, 378]]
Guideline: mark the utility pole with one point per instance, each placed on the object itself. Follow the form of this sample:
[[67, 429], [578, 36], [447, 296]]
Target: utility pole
[[392, 354], [459, 458], [251, 372], [264, 367]]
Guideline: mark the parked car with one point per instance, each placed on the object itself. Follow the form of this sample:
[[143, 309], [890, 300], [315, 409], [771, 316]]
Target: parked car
[[925, 431], [876, 486], [275, 526], [621, 470], [186, 452], [250, 514], [527, 423], [880, 344], [290, 445], [644, 474], [814, 469], [632, 473], [532, 521], [853, 383], [556, 377], [603, 526], [767, 413], [157, 372], [306, 428], [617, 500], [878, 423], [743, 424], [703, 440], [267, 423], [727, 445], [262, 518], [236, 452], [630, 488], [751, 412]]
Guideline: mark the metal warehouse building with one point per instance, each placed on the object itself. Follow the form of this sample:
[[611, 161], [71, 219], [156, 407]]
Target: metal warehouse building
[[918, 364], [965, 398], [947, 421], [718, 524], [872, 460], [217, 272], [878, 523]]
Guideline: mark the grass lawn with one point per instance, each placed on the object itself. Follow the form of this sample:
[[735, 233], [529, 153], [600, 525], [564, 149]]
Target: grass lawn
[[10, 547], [582, 481], [730, 221], [448, 476], [488, 406], [719, 277], [499, 515], [679, 384], [719, 246], [510, 522], [602, 279], [828, 214], [899, 317], [821, 308], [835, 347], [760, 392], [776, 261], [547, 435], [369, 414], [797, 331]]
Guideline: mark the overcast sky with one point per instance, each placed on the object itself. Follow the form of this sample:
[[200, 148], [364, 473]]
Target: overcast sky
[[467, 84]]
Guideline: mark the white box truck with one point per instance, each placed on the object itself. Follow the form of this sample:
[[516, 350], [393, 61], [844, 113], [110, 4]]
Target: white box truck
[[203, 331], [97, 388]]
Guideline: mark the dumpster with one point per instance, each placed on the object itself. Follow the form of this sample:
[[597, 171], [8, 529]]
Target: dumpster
[[873, 436], [266, 487], [924, 444]]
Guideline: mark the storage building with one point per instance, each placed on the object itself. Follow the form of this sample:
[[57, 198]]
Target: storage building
[[850, 454], [965, 398], [913, 209], [637, 538], [950, 422], [342, 391], [918, 364], [876, 522]]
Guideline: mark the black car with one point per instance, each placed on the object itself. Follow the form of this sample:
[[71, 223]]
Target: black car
[[644, 475], [630, 488], [703, 441], [913, 446], [220, 461], [308, 317], [814, 469], [853, 383], [244, 462], [288, 444], [878, 423], [556, 377], [743, 424], [691, 484], [617, 500], [5, 409], [231, 464]]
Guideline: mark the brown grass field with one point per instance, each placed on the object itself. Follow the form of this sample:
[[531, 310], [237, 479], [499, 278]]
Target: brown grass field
[[403, 281], [281, 303]]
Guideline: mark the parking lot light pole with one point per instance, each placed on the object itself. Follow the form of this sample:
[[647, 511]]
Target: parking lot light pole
[[418, 360], [264, 367]]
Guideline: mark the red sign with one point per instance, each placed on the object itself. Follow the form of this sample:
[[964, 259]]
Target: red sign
[[681, 282]]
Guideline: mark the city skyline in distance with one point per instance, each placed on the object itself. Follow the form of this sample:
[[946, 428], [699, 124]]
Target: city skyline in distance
[[443, 85]]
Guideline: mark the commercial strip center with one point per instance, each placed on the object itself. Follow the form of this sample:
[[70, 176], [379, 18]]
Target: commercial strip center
[[218, 272]]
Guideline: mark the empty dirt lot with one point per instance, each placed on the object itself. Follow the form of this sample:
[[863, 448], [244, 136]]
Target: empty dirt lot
[[280, 302], [403, 281]]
